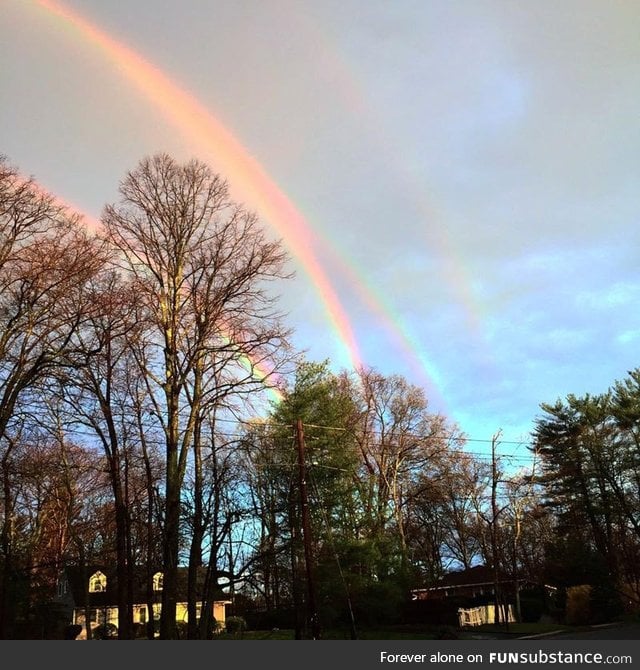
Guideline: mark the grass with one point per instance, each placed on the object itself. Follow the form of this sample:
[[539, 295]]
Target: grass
[[405, 632], [518, 629], [389, 633]]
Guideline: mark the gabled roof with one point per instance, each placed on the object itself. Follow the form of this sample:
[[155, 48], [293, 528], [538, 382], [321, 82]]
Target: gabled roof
[[78, 580]]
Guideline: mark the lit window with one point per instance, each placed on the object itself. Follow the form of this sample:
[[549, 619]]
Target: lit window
[[157, 581], [97, 582]]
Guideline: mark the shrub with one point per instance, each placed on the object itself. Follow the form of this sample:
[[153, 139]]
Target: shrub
[[72, 631], [107, 631], [578, 607], [140, 630], [532, 609], [606, 603], [236, 624]]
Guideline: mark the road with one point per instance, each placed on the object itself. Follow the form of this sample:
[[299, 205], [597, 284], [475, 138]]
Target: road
[[629, 631]]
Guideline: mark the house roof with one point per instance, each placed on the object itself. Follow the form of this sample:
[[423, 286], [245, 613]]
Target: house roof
[[479, 574], [78, 579], [463, 581]]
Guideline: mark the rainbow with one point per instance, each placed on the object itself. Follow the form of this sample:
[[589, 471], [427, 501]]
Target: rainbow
[[243, 171], [261, 372], [204, 130], [436, 236]]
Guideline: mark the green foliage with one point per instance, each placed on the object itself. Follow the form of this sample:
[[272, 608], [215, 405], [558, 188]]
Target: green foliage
[[380, 603], [236, 625], [590, 468]]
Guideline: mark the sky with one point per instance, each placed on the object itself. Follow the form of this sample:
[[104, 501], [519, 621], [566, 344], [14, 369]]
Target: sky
[[456, 181]]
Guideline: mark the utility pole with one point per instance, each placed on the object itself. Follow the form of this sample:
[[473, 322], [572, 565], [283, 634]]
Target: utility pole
[[502, 605], [306, 534]]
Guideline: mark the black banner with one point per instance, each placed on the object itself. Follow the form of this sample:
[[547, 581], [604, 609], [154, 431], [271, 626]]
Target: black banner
[[328, 654]]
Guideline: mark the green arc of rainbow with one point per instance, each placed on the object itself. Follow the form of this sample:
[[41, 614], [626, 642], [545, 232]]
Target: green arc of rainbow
[[200, 126]]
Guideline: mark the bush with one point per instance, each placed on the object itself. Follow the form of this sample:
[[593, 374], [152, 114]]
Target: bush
[[606, 603], [72, 631], [532, 609], [107, 631], [378, 604], [217, 627], [435, 612], [270, 619], [578, 607], [236, 624]]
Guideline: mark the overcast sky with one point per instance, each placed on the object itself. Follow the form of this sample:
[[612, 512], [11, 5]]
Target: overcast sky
[[463, 176]]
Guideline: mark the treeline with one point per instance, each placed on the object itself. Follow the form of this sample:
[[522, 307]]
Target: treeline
[[117, 349], [134, 361], [589, 448]]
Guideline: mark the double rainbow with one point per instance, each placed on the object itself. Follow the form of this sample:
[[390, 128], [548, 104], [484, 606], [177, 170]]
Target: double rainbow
[[245, 175]]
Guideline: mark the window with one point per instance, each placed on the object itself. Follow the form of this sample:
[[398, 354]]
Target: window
[[142, 614], [97, 582], [185, 616], [157, 581]]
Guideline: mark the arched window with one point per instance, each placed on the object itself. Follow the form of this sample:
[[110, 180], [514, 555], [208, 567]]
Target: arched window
[[157, 581], [97, 582]]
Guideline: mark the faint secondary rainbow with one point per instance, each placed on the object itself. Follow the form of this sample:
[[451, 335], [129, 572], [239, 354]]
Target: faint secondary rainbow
[[436, 236], [245, 173], [366, 112], [241, 169]]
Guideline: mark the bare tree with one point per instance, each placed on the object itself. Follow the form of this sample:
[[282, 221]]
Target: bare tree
[[399, 439], [46, 260], [97, 391], [200, 264], [492, 517], [57, 486]]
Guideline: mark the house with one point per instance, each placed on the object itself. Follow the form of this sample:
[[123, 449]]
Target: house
[[90, 597], [472, 593]]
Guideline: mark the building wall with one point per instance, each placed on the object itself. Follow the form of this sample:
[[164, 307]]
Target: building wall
[[485, 614], [109, 615], [98, 617]]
